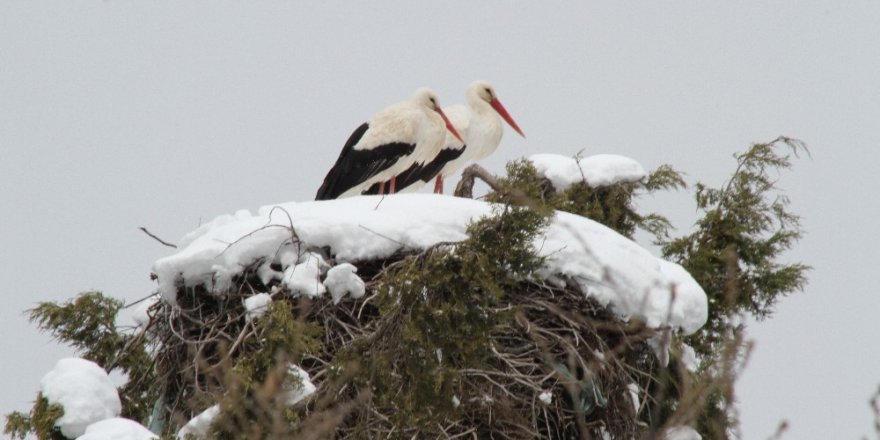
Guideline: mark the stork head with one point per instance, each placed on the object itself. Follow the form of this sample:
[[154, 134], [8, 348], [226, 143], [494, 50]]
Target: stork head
[[427, 98], [483, 91]]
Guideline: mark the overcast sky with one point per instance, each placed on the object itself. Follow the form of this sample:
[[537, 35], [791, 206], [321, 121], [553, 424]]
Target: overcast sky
[[164, 114]]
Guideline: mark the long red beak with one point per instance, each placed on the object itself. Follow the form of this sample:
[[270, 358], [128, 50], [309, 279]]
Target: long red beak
[[449, 125], [496, 104]]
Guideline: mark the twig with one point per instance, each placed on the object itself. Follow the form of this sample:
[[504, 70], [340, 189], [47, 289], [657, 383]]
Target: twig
[[157, 238], [382, 235]]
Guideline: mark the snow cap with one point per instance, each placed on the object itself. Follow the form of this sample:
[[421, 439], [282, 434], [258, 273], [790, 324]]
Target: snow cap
[[85, 392]]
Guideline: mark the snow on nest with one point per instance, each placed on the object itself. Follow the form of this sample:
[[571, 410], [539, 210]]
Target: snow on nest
[[682, 433], [199, 425], [85, 392], [257, 305], [342, 280], [605, 265], [140, 314], [302, 388], [598, 170], [117, 428]]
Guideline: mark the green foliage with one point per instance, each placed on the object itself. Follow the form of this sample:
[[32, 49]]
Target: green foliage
[[610, 205], [88, 323], [734, 252], [40, 421], [440, 308], [18, 425], [281, 336], [253, 405]]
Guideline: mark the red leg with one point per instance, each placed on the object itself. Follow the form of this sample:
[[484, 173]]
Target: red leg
[[438, 184], [381, 188], [392, 188]]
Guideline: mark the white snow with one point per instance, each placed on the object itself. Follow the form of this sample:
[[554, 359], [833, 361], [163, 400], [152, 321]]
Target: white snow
[[199, 425], [117, 428], [342, 280], [256, 306], [304, 278], [85, 392], [689, 358], [633, 390], [303, 389], [660, 343], [546, 397], [610, 268], [616, 271], [597, 170], [140, 313], [682, 433]]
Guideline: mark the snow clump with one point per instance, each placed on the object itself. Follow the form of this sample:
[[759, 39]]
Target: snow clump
[[117, 428], [598, 170], [85, 392], [256, 306], [342, 280], [199, 425]]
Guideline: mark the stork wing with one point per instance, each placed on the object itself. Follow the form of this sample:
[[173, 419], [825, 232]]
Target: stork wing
[[356, 166]]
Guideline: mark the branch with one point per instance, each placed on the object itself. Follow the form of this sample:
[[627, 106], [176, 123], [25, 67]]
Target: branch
[[157, 238], [465, 187]]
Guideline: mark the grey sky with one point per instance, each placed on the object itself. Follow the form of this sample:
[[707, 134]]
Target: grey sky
[[163, 114]]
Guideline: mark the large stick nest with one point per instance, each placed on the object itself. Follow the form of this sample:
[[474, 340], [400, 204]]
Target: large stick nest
[[563, 368]]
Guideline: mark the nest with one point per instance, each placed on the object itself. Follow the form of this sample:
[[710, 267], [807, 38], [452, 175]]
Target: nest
[[563, 367]]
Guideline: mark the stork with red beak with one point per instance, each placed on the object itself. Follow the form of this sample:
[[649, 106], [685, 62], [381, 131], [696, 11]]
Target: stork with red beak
[[409, 133], [480, 126]]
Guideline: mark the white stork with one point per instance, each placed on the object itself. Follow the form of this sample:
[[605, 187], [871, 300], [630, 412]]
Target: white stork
[[480, 126], [407, 133]]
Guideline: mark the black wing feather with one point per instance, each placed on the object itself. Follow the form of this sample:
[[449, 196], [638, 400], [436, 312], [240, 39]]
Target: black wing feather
[[354, 167], [432, 168], [424, 172]]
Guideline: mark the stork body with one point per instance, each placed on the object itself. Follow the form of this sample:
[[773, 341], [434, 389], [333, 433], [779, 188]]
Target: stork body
[[479, 124], [403, 134]]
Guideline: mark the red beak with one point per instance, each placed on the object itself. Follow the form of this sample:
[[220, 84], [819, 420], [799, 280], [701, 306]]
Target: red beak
[[449, 125], [496, 104]]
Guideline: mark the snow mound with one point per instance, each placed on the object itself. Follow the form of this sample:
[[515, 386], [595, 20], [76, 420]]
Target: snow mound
[[303, 389], [256, 306], [342, 280], [598, 170], [605, 265], [689, 358], [304, 278], [85, 392], [199, 425], [682, 433], [117, 428]]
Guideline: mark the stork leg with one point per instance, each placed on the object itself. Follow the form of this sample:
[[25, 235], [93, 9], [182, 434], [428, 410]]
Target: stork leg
[[381, 188], [392, 187], [438, 184]]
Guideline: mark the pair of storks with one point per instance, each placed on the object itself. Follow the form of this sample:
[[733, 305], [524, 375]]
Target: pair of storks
[[408, 144]]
